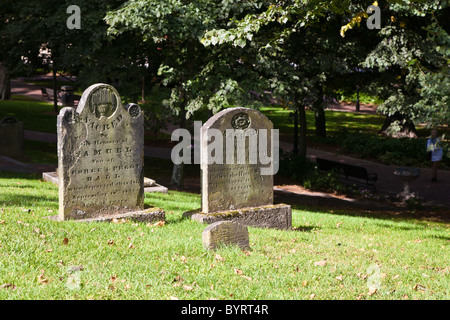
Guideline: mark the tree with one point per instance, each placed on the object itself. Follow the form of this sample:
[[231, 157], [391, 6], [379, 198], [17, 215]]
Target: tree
[[198, 77], [410, 64], [27, 28]]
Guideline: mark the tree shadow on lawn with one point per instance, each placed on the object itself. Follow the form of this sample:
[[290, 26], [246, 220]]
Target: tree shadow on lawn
[[359, 208]]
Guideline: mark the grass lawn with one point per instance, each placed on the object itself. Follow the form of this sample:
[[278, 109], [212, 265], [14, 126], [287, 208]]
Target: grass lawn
[[36, 115], [335, 121], [329, 255]]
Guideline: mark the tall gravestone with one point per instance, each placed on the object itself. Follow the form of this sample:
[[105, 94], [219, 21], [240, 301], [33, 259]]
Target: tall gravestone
[[236, 189], [101, 160]]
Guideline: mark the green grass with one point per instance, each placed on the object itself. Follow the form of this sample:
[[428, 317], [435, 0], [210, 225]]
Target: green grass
[[36, 115], [40, 152], [336, 121], [169, 261]]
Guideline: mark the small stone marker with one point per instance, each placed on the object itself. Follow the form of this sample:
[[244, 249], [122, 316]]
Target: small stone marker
[[225, 233], [100, 159], [237, 190], [11, 137]]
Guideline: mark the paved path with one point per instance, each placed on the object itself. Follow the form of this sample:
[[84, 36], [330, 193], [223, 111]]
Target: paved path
[[438, 192]]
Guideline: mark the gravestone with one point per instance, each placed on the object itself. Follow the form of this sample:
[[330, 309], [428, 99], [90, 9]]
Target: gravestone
[[100, 159], [237, 189], [225, 233], [11, 137]]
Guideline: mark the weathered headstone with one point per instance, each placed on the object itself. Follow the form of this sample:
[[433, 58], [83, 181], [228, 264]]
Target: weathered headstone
[[100, 159], [11, 137], [225, 233], [236, 189]]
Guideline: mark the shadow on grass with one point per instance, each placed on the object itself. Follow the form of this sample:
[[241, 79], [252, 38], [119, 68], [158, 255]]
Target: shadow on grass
[[359, 208], [20, 175]]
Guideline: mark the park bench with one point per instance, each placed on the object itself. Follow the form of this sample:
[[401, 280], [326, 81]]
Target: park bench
[[51, 92], [348, 172], [44, 94], [47, 93]]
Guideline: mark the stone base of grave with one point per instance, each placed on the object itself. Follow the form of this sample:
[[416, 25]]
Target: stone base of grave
[[146, 215], [150, 185], [50, 177], [277, 216]]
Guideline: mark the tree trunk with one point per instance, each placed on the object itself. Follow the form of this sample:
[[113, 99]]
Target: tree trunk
[[319, 115], [177, 179], [302, 120], [55, 90], [295, 149], [407, 127], [5, 83]]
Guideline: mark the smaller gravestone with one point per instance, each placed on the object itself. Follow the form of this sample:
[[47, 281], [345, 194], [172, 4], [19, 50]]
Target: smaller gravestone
[[11, 138], [225, 233]]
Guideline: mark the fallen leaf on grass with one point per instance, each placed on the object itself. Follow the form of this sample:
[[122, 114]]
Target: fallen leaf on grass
[[2, 221], [312, 296], [305, 283], [65, 241], [110, 242], [130, 246], [372, 291], [246, 277], [119, 221], [41, 278], [157, 224], [188, 288], [419, 287], [339, 278], [8, 286], [362, 276], [320, 263], [219, 257], [49, 250], [173, 298], [238, 271]]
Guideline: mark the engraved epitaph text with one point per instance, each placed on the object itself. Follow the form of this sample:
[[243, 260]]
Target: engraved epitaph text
[[234, 185], [100, 154]]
